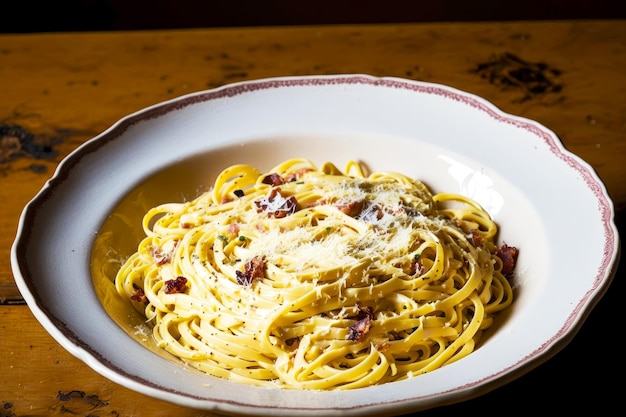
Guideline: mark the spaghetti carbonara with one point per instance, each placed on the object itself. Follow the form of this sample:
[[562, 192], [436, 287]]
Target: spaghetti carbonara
[[317, 278]]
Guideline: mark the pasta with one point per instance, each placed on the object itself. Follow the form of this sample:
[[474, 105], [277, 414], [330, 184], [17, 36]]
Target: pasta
[[317, 278]]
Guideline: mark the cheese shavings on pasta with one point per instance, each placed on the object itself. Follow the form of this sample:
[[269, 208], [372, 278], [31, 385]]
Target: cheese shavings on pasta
[[316, 278]]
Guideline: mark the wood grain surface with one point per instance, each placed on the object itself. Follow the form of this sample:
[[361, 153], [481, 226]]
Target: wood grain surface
[[59, 89]]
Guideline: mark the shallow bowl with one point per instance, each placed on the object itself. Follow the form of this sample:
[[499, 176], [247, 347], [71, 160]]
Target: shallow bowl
[[73, 234]]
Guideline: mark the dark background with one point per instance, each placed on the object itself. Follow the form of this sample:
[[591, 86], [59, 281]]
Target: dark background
[[23, 16]]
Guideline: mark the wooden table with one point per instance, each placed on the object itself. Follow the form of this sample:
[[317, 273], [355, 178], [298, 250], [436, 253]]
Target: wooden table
[[65, 88]]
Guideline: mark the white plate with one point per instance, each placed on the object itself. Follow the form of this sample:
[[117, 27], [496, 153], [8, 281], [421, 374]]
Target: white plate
[[547, 201]]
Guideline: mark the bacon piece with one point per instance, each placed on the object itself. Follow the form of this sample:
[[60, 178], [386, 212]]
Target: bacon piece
[[508, 255], [273, 179], [276, 205], [352, 208], [253, 269], [161, 255], [372, 214], [409, 211], [362, 326], [383, 347], [476, 238], [139, 295], [297, 174], [417, 267], [173, 286], [233, 228]]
